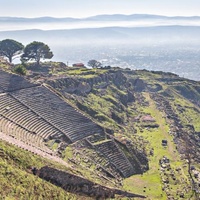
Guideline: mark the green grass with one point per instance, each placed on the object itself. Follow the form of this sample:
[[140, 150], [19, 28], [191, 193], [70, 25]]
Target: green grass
[[68, 153], [149, 183], [111, 99], [99, 104], [191, 113], [102, 108], [116, 90], [103, 102], [81, 72], [17, 181]]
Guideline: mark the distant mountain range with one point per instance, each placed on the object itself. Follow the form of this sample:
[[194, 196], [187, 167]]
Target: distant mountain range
[[115, 17], [140, 17], [103, 29], [99, 21], [117, 35]]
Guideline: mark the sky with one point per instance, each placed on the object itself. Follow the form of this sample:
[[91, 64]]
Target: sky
[[86, 8]]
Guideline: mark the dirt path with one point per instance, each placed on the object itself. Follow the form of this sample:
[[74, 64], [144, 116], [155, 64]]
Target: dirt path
[[32, 149]]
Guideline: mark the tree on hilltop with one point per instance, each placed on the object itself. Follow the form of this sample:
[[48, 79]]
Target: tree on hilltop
[[94, 63], [36, 51], [10, 49]]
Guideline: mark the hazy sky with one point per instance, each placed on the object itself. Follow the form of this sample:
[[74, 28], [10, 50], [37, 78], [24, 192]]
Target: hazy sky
[[85, 8]]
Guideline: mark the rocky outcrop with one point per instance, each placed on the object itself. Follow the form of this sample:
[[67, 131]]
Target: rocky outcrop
[[189, 92], [79, 185], [70, 85], [81, 86], [139, 85], [84, 85]]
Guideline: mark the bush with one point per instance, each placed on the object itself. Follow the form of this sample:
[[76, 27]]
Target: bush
[[20, 69]]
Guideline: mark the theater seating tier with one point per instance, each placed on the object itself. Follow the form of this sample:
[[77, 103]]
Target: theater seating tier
[[56, 111], [18, 113], [34, 114]]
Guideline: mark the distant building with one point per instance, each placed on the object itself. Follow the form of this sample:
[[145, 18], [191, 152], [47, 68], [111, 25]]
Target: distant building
[[78, 65]]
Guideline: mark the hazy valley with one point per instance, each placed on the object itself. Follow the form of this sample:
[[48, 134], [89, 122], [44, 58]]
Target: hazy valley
[[135, 41]]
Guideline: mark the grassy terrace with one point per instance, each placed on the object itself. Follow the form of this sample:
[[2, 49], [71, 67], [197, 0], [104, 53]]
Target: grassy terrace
[[80, 72], [150, 183]]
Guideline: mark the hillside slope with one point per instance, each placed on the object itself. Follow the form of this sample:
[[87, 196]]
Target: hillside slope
[[147, 113], [136, 131]]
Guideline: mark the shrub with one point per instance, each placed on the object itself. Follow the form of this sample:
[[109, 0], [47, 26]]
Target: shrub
[[20, 69]]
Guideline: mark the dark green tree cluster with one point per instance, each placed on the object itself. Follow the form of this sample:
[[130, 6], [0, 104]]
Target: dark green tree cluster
[[35, 51], [10, 49]]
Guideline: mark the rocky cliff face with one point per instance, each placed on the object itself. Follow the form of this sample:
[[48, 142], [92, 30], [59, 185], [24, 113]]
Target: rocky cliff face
[[71, 85], [81, 86]]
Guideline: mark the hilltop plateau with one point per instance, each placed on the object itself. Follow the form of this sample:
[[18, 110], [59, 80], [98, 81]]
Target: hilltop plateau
[[78, 133]]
